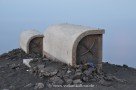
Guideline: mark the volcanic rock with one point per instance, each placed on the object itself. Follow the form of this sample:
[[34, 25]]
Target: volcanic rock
[[39, 86], [56, 80], [77, 81], [49, 71]]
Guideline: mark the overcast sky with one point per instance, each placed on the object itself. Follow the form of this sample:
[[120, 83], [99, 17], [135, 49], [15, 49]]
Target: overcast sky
[[117, 17]]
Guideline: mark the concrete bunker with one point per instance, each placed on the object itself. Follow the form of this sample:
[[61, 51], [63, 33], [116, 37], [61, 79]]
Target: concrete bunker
[[73, 44], [31, 41]]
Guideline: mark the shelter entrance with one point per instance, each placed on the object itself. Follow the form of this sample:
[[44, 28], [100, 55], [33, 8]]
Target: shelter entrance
[[36, 45], [87, 50]]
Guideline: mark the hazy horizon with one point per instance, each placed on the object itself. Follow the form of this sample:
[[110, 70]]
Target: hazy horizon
[[117, 17]]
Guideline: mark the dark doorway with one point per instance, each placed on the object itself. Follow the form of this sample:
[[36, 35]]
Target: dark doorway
[[87, 50], [36, 45]]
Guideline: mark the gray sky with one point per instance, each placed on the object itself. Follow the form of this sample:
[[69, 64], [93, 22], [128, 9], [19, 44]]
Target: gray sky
[[117, 17]]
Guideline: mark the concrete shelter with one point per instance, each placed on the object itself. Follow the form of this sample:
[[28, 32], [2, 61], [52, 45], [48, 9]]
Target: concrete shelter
[[73, 44], [31, 41]]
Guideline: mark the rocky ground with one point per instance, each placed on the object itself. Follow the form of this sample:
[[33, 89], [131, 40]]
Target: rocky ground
[[46, 74]]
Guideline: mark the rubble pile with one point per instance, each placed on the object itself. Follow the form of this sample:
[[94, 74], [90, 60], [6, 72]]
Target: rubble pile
[[58, 73]]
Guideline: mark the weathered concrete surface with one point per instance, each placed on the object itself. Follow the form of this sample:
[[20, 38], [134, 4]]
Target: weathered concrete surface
[[27, 61], [61, 41], [26, 37]]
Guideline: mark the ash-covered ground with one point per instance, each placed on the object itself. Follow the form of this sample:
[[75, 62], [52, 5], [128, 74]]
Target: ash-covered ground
[[47, 74]]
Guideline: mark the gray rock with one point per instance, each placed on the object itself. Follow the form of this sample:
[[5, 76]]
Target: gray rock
[[1, 66], [77, 81], [105, 83], [90, 65], [98, 77], [29, 85], [70, 74], [94, 80], [79, 70], [69, 81], [113, 78], [33, 70], [109, 78], [39, 86], [88, 71], [41, 66], [49, 71], [5, 89], [14, 66], [61, 73], [49, 85], [56, 80], [120, 80], [12, 87], [65, 77], [68, 71], [85, 79], [64, 68], [77, 75]]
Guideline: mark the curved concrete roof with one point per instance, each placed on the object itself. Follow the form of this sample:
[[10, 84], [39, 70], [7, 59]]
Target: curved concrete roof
[[73, 29]]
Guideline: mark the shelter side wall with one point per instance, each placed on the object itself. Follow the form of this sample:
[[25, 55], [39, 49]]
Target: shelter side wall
[[58, 46]]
